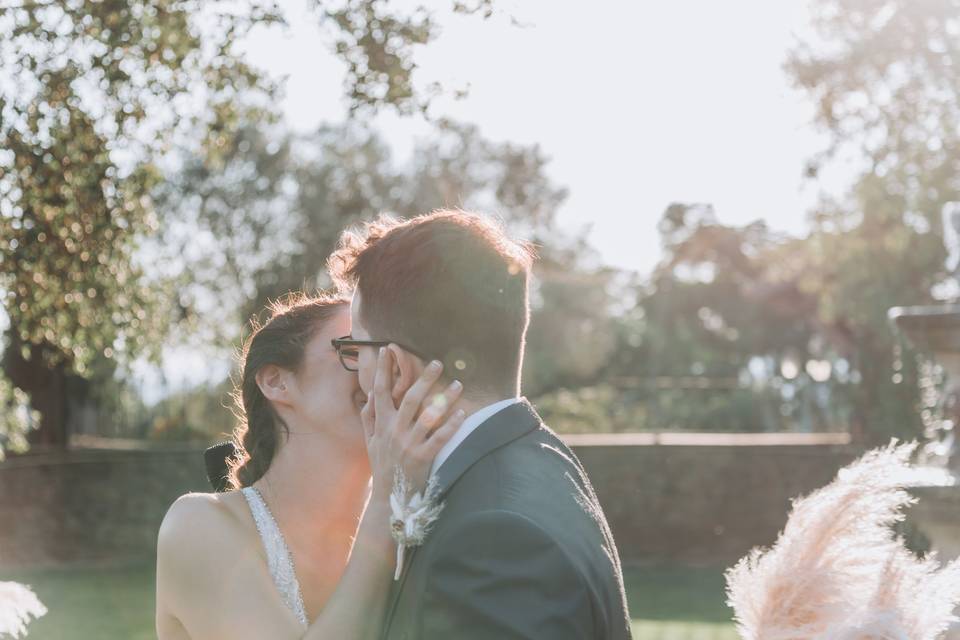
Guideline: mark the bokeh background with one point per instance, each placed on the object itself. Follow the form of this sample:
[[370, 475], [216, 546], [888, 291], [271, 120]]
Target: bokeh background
[[727, 198]]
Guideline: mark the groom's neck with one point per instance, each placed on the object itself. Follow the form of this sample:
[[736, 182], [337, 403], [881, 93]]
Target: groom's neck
[[472, 404], [478, 399]]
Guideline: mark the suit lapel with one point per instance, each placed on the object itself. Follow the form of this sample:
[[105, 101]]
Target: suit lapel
[[500, 429]]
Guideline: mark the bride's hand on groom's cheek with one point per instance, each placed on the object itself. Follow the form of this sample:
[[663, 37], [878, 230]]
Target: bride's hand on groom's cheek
[[408, 436]]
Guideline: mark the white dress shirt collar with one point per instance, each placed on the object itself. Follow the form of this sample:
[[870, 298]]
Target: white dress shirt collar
[[469, 425]]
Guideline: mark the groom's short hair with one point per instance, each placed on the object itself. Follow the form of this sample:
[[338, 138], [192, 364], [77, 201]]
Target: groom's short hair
[[450, 285]]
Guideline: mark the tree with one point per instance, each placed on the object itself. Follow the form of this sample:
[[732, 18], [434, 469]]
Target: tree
[[265, 222], [97, 94], [885, 80], [83, 127], [744, 329], [700, 342]]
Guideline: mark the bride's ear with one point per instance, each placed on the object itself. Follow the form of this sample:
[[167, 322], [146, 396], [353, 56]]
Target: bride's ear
[[406, 369], [273, 383]]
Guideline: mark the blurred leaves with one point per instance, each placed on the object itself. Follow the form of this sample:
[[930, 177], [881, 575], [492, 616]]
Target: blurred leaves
[[736, 324], [885, 78], [92, 94], [377, 46], [16, 418], [148, 187], [99, 99], [264, 222]]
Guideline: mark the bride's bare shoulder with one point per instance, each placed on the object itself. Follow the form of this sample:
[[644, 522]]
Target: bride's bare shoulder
[[204, 523], [203, 538]]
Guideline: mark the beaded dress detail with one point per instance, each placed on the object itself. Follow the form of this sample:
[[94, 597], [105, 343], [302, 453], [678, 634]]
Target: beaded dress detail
[[278, 555]]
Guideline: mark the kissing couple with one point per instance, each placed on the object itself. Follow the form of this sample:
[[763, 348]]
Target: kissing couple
[[387, 478]]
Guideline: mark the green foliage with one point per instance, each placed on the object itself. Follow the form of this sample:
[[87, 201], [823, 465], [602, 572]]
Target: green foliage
[[594, 409], [16, 418], [572, 333], [885, 80], [884, 76], [201, 413], [95, 96], [698, 346], [98, 91], [376, 45], [147, 189], [739, 306], [265, 220]]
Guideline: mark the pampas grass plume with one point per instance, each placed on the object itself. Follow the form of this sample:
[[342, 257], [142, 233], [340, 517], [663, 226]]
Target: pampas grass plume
[[837, 572], [17, 605]]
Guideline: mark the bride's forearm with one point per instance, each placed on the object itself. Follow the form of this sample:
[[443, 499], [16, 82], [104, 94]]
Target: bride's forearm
[[355, 610]]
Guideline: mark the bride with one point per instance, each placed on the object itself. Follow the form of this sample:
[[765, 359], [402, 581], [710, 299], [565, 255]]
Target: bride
[[282, 556]]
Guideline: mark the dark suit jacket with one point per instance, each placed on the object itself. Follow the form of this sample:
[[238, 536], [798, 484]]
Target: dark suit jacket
[[521, 550]]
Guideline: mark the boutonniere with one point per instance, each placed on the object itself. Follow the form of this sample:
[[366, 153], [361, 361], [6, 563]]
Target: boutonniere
[[411, 514]]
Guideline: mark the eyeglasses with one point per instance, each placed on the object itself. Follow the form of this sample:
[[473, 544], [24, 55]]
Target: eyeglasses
[[349, 350]]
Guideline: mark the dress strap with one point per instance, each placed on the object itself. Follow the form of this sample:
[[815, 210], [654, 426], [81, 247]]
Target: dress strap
[[279, 559]]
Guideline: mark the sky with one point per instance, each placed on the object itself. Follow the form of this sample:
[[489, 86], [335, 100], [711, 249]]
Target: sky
[[638, 105]]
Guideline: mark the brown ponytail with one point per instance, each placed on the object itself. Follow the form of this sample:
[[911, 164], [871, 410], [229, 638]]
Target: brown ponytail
[[280, 341]]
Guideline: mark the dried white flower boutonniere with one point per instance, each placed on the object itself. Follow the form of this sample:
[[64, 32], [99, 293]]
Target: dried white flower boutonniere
[[411, 514]]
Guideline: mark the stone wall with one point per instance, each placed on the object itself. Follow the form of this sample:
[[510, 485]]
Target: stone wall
[[703, 503], [90, 506], [691, 501]]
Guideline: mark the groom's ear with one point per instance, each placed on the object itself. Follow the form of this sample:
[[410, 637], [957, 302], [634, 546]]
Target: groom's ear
[[406, 369]]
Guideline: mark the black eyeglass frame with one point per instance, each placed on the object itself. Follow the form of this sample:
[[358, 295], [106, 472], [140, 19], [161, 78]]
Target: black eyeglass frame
[[347, 341]]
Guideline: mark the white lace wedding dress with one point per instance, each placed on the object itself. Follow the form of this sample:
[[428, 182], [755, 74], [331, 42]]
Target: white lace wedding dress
[[278, 555]]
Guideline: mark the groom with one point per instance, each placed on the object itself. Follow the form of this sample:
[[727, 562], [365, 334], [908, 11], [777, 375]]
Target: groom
[[522, 548]]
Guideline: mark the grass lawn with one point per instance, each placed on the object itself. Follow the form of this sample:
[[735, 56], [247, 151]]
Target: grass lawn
[[667, 603], [678, 603]]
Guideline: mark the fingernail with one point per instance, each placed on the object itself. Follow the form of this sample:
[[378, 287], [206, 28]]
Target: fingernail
[[456, 385], [382, 351], [461, 413], [435, 365]]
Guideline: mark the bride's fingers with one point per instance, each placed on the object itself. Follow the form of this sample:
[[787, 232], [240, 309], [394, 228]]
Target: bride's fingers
[[382, 385], [442, 435], [413, 398], [368, 417], [435, 407]]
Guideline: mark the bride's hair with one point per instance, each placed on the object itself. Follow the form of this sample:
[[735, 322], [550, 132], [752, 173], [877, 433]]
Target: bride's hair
[[281, 341]]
